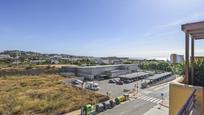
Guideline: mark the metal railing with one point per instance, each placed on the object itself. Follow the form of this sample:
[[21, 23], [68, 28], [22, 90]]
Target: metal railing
[[189, 105]]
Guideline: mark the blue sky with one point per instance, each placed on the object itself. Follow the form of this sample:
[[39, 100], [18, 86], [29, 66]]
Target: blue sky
[[133, 28]]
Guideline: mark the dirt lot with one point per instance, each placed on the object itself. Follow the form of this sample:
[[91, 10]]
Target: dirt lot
[[43, 94]]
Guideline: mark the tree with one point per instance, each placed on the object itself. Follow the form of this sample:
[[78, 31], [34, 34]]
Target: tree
[[199, 72], [154, 66], [127, 62], [178, 68]]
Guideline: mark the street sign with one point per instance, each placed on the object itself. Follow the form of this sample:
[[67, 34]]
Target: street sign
[[162, 94]]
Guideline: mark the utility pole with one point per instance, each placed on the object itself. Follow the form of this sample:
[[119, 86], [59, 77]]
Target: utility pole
[[17, 57], [82, 110], [94, 95], [137, 88], [162, 97]]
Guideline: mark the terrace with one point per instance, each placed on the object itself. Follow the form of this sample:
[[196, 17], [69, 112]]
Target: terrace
[[193, 31], [186, 93]]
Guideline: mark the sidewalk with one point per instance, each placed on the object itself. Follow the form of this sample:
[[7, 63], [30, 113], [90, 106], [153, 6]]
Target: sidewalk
[[77, 112], [158, 110]]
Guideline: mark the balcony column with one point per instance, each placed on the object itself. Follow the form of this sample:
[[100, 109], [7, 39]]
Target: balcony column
[[187, 57], [192, 61]]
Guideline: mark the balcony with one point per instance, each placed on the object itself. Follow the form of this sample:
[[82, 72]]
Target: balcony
[[179, 94], [186, 95]]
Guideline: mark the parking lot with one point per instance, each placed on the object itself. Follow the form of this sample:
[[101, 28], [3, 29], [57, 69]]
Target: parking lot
[[113, 89]]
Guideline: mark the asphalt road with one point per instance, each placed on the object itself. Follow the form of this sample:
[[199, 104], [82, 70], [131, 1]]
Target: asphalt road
[[149, 98]]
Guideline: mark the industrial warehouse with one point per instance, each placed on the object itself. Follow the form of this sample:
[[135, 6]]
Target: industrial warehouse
[[156, 78], [101, 71], [134, 76]]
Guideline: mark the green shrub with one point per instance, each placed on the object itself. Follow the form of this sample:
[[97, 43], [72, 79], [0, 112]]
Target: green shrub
[[29, 67], [155, 66], [48, 67], [199, 72]]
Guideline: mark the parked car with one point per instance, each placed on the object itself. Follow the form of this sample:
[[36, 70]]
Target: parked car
[[119, 82], [100, 79], [112, 81], [77, 82], [144, 85], [127, 81]]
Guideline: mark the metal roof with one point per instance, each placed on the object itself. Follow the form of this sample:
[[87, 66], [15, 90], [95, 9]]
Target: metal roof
[[134, 75], [103, 66], [157, 76], [196, 29]]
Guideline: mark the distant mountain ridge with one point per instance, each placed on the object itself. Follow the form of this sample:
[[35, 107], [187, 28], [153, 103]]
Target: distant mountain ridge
[[14, 53]]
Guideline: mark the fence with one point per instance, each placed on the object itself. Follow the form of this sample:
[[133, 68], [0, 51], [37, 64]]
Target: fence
[[188, 107]]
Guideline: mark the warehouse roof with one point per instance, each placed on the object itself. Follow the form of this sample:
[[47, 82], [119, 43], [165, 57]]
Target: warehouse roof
[[102, 66], [157, 76], [134, 75]]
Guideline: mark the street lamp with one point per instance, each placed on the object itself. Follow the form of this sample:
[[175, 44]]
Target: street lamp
[[82, 110], [162, 97]]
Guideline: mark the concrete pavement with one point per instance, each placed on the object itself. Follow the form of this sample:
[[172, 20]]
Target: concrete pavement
[[147, 101], [158, 110], [136, 107]]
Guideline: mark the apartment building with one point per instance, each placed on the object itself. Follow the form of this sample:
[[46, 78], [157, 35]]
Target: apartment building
[[175, 58]]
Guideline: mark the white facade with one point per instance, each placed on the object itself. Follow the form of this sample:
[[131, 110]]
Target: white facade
[[175, 58], [3, 56]]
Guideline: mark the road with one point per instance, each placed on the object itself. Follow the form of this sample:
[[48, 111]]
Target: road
[[148, 98]]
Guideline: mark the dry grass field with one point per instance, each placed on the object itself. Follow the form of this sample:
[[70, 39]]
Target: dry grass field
[[45, 94], [57, 65]]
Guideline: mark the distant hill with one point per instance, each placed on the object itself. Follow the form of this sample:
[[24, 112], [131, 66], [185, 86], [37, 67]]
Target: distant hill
[[14, 53]]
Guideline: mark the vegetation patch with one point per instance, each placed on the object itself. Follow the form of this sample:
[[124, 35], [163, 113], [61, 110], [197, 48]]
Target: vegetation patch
[[43, 94]]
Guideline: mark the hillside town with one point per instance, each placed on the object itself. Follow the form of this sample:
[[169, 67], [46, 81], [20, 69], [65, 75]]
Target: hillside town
[[28, 57]]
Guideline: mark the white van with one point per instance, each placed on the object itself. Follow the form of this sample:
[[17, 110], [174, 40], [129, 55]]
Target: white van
[[92, 86]]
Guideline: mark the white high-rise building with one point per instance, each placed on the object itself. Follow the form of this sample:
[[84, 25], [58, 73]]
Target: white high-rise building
[[175, 58]]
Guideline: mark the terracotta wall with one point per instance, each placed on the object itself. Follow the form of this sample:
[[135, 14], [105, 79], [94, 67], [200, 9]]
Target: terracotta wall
[[179, 93]]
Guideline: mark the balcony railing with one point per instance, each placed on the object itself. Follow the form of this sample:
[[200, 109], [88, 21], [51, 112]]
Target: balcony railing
[[189, 105]]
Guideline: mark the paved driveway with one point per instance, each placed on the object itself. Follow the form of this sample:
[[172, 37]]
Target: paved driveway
[[113, 89]]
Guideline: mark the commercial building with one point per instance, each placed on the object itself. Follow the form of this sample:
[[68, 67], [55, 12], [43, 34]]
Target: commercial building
[[134, 76], [113, 60], [158, 77], [4, 56], [92, 72], [155, 79], [175, 58]]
